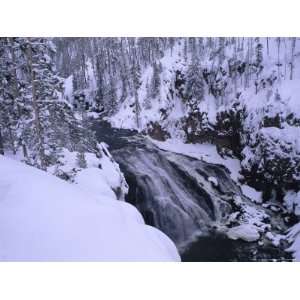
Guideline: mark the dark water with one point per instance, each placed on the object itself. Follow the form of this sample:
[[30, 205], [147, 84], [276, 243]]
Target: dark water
[[218, 248], [180, 202]]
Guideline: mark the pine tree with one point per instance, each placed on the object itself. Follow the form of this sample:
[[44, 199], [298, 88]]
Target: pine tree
[[136, 79], [258, 52], [111, 95], [185, 50], [1, 143], [81, 161], [8, 101], [48, 123], [278, 41], [221, 50], [171, 41], [194, 89], [155, 82], [292, 63], [148, 98]]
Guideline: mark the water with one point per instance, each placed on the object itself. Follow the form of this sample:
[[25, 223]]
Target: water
[[173, 193], [218, 248]]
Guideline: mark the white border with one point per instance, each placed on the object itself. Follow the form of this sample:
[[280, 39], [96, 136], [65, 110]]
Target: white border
[[153, 281], [149, 281], [150, 17]]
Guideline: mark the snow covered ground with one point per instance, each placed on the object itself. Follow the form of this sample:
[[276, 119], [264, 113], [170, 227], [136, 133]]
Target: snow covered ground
[[43, 218], [294, 238]]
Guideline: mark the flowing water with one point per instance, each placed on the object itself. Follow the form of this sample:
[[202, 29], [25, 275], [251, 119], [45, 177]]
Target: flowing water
[[173, 193]]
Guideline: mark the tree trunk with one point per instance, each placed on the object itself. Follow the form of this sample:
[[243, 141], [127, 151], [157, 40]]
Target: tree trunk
[[11, 139], [24, 149], [292, 58], [37, 121], [278, 58], [137, 109], [15, 81], [1, 144]]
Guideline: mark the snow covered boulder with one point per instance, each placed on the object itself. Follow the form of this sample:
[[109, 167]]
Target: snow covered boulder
[[44, 218], [293, 237], [246, 232], [292, 202], [213, 180]]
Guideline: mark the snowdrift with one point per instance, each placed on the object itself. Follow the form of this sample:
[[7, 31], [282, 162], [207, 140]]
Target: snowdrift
[[43, 218]]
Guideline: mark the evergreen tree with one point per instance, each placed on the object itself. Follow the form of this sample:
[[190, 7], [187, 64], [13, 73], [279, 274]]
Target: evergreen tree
[[33, 114], [136, 79], [259, 53], [9, 100], [148, 98], [44, 85], [194, 89], [155, 82], [292, 64], [81, 161]]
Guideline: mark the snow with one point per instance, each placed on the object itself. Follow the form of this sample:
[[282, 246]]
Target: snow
[[252, 193], [125, 117], [101, 172], [68, 88], [92, 181], [213, 180], [246, 232], [292, 202], [293, 237], [206, 152], [275, 238], [43, 218]]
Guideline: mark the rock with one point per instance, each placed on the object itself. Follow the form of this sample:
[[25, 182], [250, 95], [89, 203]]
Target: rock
[[246, 232], [213, 180], [157, 132]]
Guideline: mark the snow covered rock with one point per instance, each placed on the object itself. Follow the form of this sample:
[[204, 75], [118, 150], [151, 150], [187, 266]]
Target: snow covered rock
[[43, 218], [213, 180], [251, 193], [246, 232], [293, 237], [292, 202]]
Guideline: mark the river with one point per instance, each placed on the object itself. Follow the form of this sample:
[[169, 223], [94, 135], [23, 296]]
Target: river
[[173, 193]]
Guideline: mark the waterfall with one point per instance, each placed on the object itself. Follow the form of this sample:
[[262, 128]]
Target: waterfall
[[188, 199]]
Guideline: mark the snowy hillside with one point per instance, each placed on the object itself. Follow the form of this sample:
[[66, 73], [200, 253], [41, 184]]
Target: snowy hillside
[[175, 64], [44, 218]]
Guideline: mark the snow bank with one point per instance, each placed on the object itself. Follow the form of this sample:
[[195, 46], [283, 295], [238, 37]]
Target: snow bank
[[43, 218], [101, 175], [293, 237], [292, 202]]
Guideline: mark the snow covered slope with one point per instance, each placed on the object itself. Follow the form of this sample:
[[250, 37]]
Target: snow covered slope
[[294, 238], [43, 218], [170, 105]]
